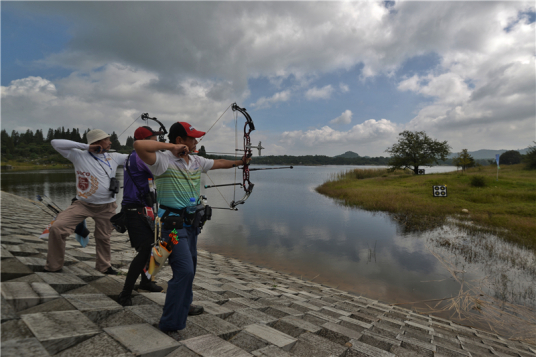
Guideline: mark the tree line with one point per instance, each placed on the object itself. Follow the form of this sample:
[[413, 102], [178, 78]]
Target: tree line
[[35, 146], [413, 150]]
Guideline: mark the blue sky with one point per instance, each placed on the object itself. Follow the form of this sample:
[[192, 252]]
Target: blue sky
[[317, 78]]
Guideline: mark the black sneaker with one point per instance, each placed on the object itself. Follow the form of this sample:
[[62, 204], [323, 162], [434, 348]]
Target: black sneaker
[[176, 335], [53, 271], [150, 286], [110, 271], [125, 299], [195, 310]]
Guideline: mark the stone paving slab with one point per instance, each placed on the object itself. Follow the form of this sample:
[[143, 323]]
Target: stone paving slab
[[271, 336], [25, 347], [148, 313], [37, 264], [84, 272], [215, 325], [337, 333], [21, 250], [158, 298], [59, 330], [95, 306], [311, 345], [102, 345], [214, 309], [62, 282], [15, 330], [4, 254], [212, 346], [143, 339], [12, 268]]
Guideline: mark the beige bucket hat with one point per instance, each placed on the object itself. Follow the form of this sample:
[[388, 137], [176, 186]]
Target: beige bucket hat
[[96, 135]]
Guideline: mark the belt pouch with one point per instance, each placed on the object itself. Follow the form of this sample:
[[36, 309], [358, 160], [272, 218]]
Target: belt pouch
[[173, 222]]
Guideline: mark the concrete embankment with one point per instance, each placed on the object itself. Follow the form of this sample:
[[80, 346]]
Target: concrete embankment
[[248, 310]]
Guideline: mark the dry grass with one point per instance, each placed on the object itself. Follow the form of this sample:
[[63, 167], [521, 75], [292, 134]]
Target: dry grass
[[474, 307], [506, 207]]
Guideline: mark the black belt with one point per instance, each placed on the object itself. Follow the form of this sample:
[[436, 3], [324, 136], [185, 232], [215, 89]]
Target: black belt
[[180, 212], [133, 207]]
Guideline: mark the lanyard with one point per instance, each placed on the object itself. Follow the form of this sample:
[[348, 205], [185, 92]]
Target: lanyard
[[106, 162]]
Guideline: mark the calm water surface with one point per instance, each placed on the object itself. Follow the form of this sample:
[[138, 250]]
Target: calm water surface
[[288, 226]]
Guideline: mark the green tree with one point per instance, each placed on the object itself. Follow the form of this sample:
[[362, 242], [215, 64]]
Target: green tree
[[510, 157], [464, 160], [202, 151], [7, 143], [15, 138], [116, 145], [50, 135], [84, 137], [530, 157], [415, 149], [130, 142], [38, 137]]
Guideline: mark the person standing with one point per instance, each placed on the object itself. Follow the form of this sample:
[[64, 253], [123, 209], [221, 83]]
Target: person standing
[[137, 196], [96, 187], [178, 180]]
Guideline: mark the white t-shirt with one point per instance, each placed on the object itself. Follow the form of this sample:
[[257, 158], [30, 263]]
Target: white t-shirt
[[176, 181], [93, 171]]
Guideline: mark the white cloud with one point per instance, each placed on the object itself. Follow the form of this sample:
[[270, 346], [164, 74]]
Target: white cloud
[[319, 93], [110, 99], [380, 132], [279, 97], [191, 61], [344, 118]]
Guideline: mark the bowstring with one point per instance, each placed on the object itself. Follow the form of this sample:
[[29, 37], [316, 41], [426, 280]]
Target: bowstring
[[236, 146], [128, 127], [206, 132], [217, 189]]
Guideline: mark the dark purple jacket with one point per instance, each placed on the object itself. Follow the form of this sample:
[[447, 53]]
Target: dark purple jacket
[[140, 174]]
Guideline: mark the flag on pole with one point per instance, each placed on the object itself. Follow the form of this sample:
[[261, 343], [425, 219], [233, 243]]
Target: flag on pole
[[497, 159]]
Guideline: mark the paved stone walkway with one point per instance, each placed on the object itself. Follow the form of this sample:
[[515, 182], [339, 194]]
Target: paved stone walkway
[[249, 311]]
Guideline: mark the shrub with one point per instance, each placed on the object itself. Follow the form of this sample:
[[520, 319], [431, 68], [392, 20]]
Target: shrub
[[510, 157], [530, 158], [478, 181]]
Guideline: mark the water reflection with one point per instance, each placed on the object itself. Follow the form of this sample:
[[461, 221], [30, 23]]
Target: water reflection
[[287, 226]]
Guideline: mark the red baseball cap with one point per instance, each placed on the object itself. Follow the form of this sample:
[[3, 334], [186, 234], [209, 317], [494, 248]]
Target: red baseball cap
[[144, 132], [182, 129]]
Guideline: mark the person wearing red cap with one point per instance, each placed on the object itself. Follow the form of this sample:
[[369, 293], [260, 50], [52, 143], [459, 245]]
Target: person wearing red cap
[[178, 180], [137, 195]]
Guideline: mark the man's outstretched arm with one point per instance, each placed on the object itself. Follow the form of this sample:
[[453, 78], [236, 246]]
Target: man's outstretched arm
[[227, 164]]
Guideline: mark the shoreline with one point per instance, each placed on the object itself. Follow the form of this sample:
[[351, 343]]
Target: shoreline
[[505, 207]]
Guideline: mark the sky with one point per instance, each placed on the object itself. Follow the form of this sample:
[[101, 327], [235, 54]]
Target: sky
[[317, 78]]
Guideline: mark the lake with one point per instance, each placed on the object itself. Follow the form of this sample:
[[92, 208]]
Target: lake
[[287, 226]]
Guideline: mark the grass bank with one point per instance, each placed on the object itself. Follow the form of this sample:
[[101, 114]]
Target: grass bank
[[28, 165], [506, 207]]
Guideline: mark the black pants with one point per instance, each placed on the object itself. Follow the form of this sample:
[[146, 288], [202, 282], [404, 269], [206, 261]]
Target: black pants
[[141, 237]]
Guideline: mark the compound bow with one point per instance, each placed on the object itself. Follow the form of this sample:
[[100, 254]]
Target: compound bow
[[246, 184]]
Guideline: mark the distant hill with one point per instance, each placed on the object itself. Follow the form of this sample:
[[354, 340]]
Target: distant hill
[[349, 155], [487, 154]]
